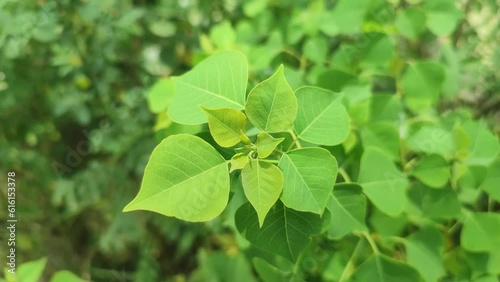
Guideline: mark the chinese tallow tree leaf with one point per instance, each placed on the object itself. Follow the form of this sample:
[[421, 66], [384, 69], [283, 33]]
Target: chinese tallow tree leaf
[[442, 16], [266, 144], [382, 182], [65, 276], [491, 181], [348, 207], [411, 23], [432, 170], [424, 250], [322, 118], [310, 174], [160, 95], [348, 15], [27, 272], [262, 183], [219, 81], [184, 169], [268, 272], [484, 146], [382, 135], [286, 232], [271, 105], [381, 268], [226, 125], [433, 203], [432, 139], [480, 232], [421, 84]]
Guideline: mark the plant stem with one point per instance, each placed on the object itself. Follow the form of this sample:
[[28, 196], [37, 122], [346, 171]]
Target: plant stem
[[370, 240], [295, 140], [344, 175], [350, 264]]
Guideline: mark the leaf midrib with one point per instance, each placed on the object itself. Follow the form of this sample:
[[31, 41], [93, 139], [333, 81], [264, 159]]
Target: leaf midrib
[[212, 93]]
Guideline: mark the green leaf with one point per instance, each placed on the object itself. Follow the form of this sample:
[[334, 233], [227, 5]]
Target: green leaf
[[433, 203], [226, 125], [348, 207], [271, 105], [239, 161], [432, 170], [484, 146], [480, 232], [378, 51], [310, 174], [315, 49], [442, 16], [266, 144], [28, 272], [491, 181], [219, 81], [421, 84], [384, 107], [65, 276], [424, 250], [286, 232], [381, 268], [269, 273], [322, 118], [262, 183], [185, 178], [348, 15], [383, 136], [432, 139], [411, 23], [160, 95], [382, 182]]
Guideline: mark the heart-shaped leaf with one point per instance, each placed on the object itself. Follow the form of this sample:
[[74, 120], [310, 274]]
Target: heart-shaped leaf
[[322, 118], [480, 232], [432, 170], [184, 169], [310, 174], [286, 232]]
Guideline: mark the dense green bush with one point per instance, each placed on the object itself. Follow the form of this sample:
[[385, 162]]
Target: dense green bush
[[87, 92]]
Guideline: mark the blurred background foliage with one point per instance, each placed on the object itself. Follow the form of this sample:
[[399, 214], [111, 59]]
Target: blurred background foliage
[[82, 105]]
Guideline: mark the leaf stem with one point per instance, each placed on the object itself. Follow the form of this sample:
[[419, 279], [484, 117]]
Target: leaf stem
[[350, 264], [371, 241], [296, 141], [269, 161], [344, 175]]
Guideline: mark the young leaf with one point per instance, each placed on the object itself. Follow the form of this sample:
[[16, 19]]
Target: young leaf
[[266, 144], [348, 207], [226, 125], [219, 81], [286, 232], [442, 16], [432, 170], [262, 183], [310, 174], [184, 169], [381, 268], [382, 182], [271, 105], [238, 161], [322, 118], [480, 232]]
